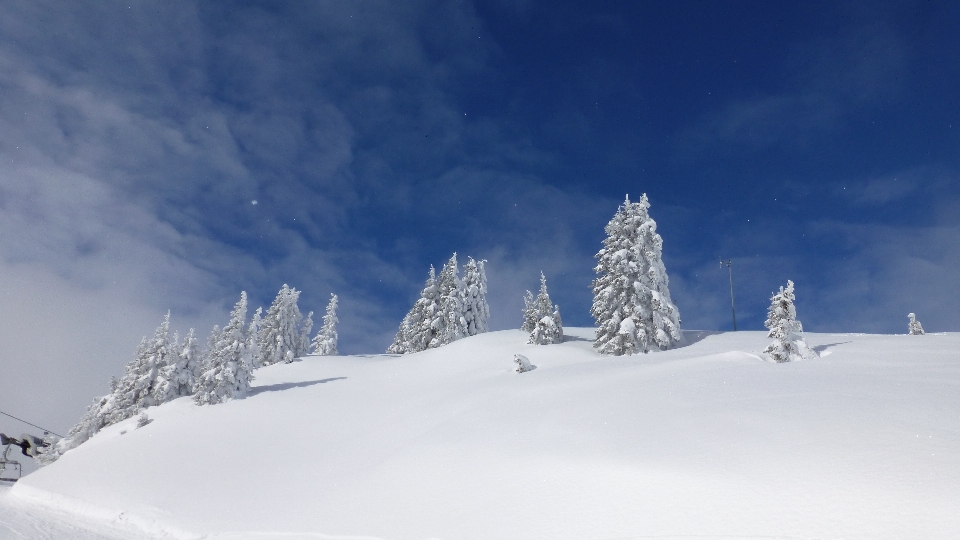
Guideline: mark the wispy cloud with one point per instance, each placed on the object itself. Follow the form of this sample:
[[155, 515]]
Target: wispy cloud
[[823, 82]]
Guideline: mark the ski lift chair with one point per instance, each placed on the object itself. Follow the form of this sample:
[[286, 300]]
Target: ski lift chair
[[10, 470]]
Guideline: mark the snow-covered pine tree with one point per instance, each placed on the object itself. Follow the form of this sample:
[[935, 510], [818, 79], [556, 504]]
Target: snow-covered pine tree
[[416, 330], [179, 377], [529, 312], [475, 308], [303, 344], [279, 334], [914, 328], [253, 338], [230, 365], [449, 324], [93, 420], [137, 387], [631, 297], [785, 329], [548, 328], [325, 342]]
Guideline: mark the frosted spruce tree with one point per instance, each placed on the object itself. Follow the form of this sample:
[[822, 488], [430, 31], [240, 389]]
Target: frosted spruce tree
[[416, 329], [179, 377], [785, 329], [476, 312], [253, 337], [303, 344], [548, 327], [128, 396], [230, 365], [914, 328], [631, 298], [140, 382], [279, 337], [325, 342], [529, 312], [93, 420], [449, 323]]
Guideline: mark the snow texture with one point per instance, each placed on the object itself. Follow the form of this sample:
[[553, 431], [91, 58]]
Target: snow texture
[[699, 441], [787, 332], [631, 296]]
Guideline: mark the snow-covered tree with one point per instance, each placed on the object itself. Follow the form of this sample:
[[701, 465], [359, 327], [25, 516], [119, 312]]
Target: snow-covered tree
[[785, 329], [449, 324], [548, 327], [128, 396], [230, 365], [137, 388], [279, 337], [325, 342], [631, 297], [475, 308], [93, 420], [253, 338], [415, 331], [179, 377], [915, 328], [529, 312], [303, 344]]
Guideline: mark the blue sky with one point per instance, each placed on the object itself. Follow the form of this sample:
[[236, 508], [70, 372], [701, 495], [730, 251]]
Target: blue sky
[[816, 142]]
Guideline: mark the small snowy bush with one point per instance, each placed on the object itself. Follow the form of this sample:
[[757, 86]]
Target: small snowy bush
[[915, 328], [143, 420], [523, 363]]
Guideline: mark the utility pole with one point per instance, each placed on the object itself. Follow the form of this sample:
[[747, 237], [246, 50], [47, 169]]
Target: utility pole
[[733, 306]]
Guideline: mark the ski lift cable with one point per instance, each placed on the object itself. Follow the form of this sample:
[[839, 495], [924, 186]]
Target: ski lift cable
[[29, 424]]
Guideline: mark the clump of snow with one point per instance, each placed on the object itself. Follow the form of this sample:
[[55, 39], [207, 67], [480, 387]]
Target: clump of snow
[[523, 363]]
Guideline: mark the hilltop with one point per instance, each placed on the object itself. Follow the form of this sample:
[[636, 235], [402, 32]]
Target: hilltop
[[707, 439]]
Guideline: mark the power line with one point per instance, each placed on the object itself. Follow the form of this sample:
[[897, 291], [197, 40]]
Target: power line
[[29, 424]]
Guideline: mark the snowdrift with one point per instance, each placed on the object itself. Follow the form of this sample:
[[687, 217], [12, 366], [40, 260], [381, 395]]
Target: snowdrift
[[705, 440]]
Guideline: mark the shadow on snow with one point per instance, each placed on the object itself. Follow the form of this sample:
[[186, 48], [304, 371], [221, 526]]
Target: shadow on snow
[[287, 386]]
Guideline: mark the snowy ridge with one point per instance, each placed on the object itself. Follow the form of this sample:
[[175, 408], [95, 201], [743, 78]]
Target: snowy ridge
[[709, 439]]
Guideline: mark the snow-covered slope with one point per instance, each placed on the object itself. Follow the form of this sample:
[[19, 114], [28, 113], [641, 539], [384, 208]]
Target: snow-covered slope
[[704, 440]]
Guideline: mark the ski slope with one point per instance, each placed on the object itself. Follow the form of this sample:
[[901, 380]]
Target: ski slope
[[707, 440]]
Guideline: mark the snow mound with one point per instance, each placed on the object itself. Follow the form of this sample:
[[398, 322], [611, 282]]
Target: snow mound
[[704, 440]]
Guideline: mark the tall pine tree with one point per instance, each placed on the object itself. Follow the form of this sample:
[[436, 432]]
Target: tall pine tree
[[279, 337], [631, 298], [230, 365], [449, 323], [548, 327], [475, 308], [785, 329], [325, 342], [178, 378], [137, 387], [416, 329]]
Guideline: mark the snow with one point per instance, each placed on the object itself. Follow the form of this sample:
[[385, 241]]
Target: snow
[[705, 440]]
